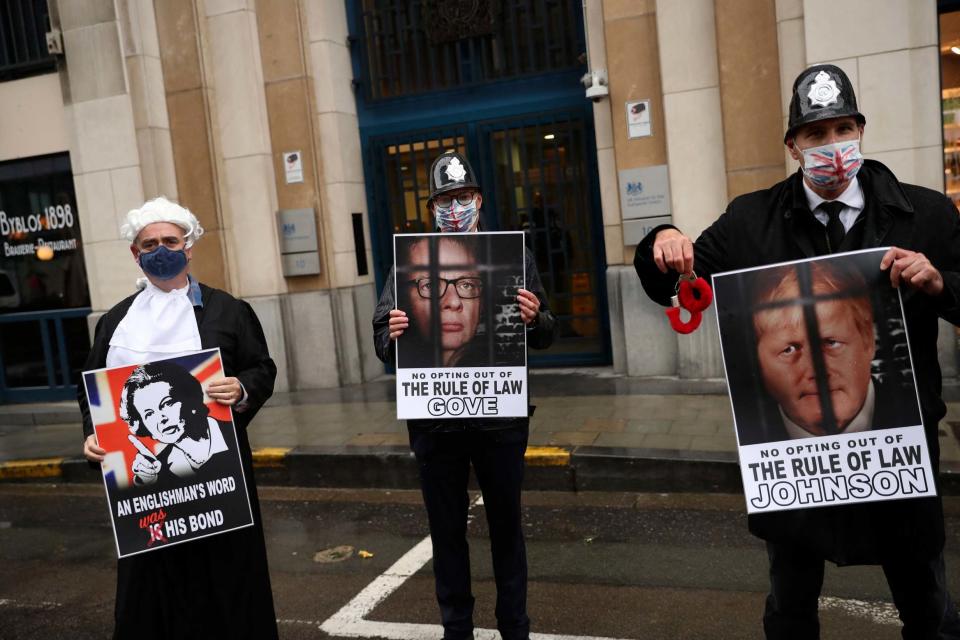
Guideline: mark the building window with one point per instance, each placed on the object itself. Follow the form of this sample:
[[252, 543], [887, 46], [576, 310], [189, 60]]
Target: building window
[[416, 46], [23, 39], [950, 86]]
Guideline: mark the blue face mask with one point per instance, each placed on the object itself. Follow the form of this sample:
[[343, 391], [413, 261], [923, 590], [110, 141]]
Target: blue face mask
[[162, 263]]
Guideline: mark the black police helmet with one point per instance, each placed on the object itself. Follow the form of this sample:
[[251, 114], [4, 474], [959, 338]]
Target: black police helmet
[[451, 171], [822, 91]]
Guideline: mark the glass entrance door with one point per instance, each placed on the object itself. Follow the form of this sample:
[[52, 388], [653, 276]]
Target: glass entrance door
[[401, 187], [535, 175], [541, 185]]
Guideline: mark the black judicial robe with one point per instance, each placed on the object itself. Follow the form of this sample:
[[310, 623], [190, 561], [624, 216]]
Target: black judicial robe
[[215, 587]]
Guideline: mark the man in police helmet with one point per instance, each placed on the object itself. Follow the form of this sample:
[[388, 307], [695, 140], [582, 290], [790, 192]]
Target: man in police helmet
[[838, 201], [445, 449]]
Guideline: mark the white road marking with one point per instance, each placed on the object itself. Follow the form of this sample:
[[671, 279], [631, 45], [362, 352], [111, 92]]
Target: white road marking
[[883, 613], [17, 604], [350, 622]]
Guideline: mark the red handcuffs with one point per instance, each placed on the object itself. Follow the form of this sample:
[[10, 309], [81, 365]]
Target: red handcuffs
[[694, 295]]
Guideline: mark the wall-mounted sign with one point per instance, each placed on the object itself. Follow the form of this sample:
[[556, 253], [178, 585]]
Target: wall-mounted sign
[[636, 230], [645, 192], [644, 201], [638, 119], [298, 242], [293, 166]]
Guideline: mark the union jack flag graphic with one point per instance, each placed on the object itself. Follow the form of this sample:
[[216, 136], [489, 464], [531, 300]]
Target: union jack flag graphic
[[104, 389], [833, 162]]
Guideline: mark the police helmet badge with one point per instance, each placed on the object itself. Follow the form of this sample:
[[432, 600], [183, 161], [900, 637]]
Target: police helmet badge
[[456, 171], [824, 91]]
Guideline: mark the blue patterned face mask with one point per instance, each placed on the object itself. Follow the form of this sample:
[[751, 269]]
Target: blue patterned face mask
[[162, 263], [457, 217]]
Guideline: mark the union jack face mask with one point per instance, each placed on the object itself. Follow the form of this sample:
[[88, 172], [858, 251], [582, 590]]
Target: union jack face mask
[[457, 217], [831, 165]]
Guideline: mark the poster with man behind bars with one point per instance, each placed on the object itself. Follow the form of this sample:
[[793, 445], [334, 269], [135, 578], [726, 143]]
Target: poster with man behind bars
[[464, 354], [172, 470], [821, 381]]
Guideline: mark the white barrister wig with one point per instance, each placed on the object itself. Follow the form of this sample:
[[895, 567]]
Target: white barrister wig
[[161, 210]]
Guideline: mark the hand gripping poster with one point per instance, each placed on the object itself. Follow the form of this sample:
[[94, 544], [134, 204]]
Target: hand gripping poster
[[172, 469], [821, 381], [464, 353]]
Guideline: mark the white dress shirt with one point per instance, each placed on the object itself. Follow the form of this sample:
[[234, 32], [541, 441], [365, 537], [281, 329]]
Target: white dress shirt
[[852, 198]]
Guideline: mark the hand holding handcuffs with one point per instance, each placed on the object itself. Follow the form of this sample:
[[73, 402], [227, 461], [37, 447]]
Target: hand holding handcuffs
[[694, 295]]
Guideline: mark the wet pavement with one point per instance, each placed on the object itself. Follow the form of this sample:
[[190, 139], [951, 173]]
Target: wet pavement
[[608, 565], [589, 407]]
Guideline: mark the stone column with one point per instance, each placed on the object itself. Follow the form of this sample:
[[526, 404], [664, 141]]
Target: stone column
[[892, 60], [793, 59], [340, 178], [338, 139], [749, 94], [643, 343], [141, 50], [695, 147], [248, 200], [103, 142], [188, 98]]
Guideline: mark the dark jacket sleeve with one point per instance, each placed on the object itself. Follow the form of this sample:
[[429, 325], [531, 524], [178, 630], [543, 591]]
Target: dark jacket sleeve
[[541, 333], [255, 368], [95, 360], [710, 255], [382, 343]]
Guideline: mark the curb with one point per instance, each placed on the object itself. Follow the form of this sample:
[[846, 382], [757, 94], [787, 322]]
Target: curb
[[579, 468]]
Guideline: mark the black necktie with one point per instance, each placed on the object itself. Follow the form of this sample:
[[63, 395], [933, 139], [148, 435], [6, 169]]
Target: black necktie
[[835, 230]]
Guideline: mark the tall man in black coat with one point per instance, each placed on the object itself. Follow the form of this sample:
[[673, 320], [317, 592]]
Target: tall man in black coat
[[445, 449], [839, 202], [219, 586]]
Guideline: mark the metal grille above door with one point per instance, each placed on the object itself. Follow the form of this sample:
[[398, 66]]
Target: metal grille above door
[[415, 46], [400, 165]]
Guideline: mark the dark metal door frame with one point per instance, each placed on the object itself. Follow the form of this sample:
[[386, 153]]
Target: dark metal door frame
[[469, 110], [53, 341]]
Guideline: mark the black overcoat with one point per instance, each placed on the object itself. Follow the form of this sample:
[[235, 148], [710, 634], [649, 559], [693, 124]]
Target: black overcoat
[[776, 225], [215, 587]]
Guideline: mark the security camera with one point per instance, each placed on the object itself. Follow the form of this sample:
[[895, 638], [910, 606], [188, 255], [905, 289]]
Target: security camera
[[596, 84]]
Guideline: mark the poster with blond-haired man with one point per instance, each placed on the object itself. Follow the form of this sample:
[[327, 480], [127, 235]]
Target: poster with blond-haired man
[[821, 382]]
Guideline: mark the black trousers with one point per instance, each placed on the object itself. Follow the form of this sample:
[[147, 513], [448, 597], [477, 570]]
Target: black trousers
[[444, 459], [918, 587]]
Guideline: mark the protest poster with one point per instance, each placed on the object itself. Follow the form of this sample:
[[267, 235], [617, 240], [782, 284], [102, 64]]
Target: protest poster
[[821, 381], [172, 470], [464, 354]]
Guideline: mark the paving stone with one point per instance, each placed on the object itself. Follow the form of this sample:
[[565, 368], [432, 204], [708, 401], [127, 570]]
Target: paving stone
[[666, 441], [713, 443], [614, 425], [645, 425]]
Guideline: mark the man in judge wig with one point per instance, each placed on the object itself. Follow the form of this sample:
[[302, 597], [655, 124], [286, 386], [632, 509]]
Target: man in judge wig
[[219, 586]]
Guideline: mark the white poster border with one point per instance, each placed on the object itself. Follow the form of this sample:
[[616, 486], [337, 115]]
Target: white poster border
[[404, 375], [916, 429]]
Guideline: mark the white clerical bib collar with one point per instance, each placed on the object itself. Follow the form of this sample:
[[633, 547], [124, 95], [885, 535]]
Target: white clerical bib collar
[[863, 421], [159, 324]]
